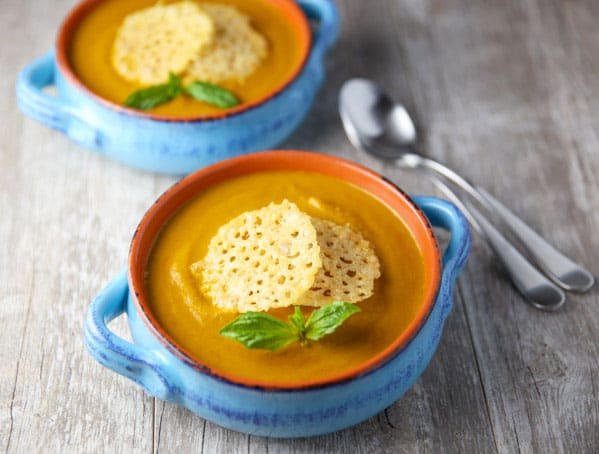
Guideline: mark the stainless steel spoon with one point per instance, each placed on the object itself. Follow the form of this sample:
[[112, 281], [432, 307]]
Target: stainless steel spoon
[[378, 125]]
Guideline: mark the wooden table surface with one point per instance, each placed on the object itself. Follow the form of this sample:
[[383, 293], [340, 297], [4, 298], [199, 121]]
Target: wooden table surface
[[507, 93]]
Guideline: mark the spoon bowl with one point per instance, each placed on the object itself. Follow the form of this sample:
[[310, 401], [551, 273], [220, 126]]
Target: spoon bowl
[[373, 122]]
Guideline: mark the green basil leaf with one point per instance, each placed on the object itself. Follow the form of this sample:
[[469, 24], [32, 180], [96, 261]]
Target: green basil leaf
[[211, 94], [156, 95], [328, 318], [175, 82], [297, 320], [260, 330]]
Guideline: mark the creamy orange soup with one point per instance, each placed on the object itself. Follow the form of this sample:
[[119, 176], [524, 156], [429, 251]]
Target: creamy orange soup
[[193, 322], [91, 46]]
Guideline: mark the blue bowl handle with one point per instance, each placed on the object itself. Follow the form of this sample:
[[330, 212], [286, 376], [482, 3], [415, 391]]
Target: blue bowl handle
[[441, 213], [326, 12], [52, 111], [143, 366]]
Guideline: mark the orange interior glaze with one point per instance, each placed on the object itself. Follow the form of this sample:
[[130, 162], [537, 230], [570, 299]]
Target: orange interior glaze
[[260, 86], [177, 196]]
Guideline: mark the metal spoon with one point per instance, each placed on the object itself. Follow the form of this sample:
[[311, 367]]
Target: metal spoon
[[376, 124], [373, 119]]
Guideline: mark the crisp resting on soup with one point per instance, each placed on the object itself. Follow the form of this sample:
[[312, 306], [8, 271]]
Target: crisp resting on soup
[[190, 317]]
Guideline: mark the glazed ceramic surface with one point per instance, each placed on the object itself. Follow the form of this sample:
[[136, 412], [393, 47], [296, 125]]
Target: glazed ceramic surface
[[270, 411], [176, 146]]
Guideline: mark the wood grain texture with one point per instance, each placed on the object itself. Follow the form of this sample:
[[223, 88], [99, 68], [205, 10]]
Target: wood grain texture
[[508, 94]]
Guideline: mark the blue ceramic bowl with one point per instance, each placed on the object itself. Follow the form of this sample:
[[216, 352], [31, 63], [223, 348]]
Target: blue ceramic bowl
[[164, 371], [172, 146]]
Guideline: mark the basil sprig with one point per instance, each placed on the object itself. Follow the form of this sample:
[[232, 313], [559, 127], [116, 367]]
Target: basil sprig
[[263, 331], [156, 95]]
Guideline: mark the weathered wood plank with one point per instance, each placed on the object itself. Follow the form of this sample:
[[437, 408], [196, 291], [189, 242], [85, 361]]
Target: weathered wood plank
[[512, 124]]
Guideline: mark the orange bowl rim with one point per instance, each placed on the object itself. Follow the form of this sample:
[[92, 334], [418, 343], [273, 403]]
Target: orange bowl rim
[[291, 9], [282, 160]]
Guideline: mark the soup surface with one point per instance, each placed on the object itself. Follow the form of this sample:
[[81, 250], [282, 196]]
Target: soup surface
[[193, 322], [91, 47]]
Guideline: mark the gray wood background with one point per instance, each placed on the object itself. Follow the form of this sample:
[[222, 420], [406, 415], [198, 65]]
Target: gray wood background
[[507, 92]]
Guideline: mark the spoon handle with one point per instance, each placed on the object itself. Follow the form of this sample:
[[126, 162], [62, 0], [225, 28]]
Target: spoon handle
[[539, 291], [536, 288], [561, 269]]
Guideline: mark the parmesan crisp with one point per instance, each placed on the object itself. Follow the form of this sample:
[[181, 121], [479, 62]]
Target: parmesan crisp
[[278, 256], [236, 51], [161, 39], [349, 266], [260, 260]]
